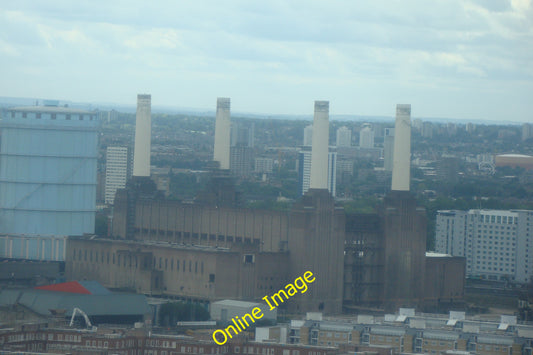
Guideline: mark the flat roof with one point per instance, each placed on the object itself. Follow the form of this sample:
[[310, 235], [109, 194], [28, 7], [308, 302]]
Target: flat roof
[[235, 303], [50, 109]]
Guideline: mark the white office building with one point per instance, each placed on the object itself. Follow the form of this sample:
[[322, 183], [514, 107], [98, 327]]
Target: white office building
[[495, 243], [117, 171]]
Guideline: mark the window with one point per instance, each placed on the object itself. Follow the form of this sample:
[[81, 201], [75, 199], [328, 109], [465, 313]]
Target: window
[[211, 277], [67, 117], [53, 116]]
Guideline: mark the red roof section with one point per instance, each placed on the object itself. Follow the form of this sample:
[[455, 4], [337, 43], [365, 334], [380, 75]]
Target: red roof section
[[70, 287]]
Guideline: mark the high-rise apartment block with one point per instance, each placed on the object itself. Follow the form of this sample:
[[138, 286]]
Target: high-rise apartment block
[[344, 137], [527, 131], [304, 171], [241, 149], [118, 171], [495, 243], [366, 137], [388, 148], [264, 165], [308, 135]]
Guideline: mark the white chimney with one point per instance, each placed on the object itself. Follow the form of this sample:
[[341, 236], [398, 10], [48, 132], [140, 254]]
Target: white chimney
[[141, 157], [402, 149], [320, 146], [222, 132]]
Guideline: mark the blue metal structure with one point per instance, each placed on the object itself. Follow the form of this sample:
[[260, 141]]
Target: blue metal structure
[[48, 159]]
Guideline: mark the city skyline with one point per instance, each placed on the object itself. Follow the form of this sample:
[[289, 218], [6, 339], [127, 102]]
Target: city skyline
[[459, 60]]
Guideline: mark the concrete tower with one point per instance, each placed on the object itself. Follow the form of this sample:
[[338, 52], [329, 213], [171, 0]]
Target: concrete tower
[[141, 158], [404, 226], [319, 159], [402, 149], [222, 133]]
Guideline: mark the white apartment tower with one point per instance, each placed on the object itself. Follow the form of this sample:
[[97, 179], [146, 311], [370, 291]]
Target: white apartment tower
[[495, 243], [366, 137], [344, 137], [388, 148], [117, 171], [308, 136], [304, 171]]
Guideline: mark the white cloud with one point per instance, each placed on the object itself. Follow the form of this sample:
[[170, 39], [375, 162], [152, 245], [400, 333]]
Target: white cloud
[[378, 51]]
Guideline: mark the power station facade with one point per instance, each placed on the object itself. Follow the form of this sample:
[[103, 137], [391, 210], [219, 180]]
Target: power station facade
[[214, 249], [48, 159]]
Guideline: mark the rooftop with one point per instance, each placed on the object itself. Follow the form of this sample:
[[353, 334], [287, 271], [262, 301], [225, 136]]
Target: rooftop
[[50, 109]]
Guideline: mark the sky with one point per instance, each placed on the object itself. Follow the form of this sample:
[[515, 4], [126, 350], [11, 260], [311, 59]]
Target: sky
[[462, 59]]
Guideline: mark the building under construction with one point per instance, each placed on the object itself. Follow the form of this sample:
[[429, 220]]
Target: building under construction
[[214, 249]]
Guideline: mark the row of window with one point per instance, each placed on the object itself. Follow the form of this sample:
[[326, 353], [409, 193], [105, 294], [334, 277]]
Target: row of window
[[196, 236], [121, 260], [498, 219]]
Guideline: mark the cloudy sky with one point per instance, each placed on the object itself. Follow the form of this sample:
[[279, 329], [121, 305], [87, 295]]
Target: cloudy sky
[[464, 59]]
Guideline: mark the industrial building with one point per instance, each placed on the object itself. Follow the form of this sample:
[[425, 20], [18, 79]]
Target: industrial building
[[213, 249], [90, 299], [48, 158], [495, 243], [514, 161]]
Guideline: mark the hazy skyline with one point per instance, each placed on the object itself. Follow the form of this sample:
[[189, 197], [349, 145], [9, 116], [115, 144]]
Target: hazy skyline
[[455, 59]]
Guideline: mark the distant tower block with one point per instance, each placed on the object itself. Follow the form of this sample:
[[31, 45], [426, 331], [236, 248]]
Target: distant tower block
[[319, 151], [222, 133], [141, 157], [402, 149]]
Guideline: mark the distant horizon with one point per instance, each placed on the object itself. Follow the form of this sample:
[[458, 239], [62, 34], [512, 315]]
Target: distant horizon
[[162, 109]]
